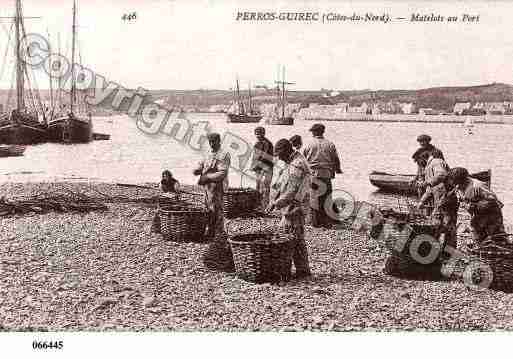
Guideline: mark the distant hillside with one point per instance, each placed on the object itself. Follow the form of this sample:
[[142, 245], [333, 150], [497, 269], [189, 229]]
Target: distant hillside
[[439, 98]]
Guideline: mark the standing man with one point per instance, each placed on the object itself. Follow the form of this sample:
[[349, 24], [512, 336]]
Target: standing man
[[425, 147], [263, 165], [324, 163], [440, 192], [288, 188], [481, 203], [213, 172]]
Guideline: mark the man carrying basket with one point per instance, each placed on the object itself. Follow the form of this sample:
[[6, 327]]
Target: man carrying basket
[[213, 172], [288, 189]]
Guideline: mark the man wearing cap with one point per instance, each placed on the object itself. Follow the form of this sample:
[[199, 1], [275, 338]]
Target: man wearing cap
[[263, 165], [425, 146], [324, 163], [213, 172], [288, 188], [482, 204]]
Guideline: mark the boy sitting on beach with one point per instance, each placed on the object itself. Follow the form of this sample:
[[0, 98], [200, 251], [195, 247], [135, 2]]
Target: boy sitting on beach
[[168, 184]]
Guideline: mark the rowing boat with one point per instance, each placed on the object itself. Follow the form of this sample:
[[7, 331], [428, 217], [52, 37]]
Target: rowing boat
[[403, 183], [11, 150]]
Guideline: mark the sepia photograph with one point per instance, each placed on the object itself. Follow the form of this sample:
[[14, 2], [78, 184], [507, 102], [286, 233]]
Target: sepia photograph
[[255, 166]]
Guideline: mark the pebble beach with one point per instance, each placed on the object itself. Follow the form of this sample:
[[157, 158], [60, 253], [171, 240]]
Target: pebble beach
[[104, 270]]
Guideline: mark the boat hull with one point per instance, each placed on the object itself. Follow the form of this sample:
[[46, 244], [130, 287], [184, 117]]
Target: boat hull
[[401, 183], [22, 129], [239, 118], [70, 130], [282, 121], [11, 150]]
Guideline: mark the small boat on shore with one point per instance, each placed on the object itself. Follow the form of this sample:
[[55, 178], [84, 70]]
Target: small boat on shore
[[402, 183], [101, 136], [11, 150]]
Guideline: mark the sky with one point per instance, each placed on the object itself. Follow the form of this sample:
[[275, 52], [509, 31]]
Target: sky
[[191, 44]]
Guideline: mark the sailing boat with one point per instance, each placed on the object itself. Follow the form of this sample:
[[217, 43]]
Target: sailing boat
[[73, 127], [21, 126], [469, 124], [238, 114], [281, 117]]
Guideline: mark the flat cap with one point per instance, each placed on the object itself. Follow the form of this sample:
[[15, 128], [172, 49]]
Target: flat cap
[[259, 131], [423, 138], [318, 127]]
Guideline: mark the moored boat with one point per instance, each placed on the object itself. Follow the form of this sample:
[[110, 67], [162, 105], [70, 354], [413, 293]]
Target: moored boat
[[287, 120], [20, 123], [243, 118], [238, 114], [281, 117], [76, 126], [402, 183], [70, 129], [11, 150]]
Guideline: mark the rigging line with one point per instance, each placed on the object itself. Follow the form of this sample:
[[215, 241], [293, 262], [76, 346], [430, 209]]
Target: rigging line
[[31, 88], [4, 27], [4, 64], [11, 90]]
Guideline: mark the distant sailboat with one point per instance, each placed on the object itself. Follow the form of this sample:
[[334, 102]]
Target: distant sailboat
[[283, 116], [237, 112], [75, 126], [21, 125], [469, 125]]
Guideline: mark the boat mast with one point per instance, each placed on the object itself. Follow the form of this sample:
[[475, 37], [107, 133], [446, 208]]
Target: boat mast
[[59, 83], [239, 102], [283, 95], [73, 60], [20, 100], [52, 102], [249, 98]]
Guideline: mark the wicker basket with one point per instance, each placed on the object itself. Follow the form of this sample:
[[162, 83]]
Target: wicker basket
[[262, 255], [218, 255], [497, 252], [240, 201], [163, 201], [183, 222], [398, 240]]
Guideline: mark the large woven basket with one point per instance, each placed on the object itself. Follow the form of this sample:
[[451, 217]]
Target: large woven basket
[[240, 201], [399, 239], [262, 255], [497, 252], [183, 222]]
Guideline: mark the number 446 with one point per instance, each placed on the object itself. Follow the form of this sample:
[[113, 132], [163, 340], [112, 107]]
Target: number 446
[[129, 17]]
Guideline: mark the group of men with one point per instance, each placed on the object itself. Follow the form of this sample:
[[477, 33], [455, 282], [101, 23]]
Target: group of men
[[445, 189], [312, 169], [322, 161]]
